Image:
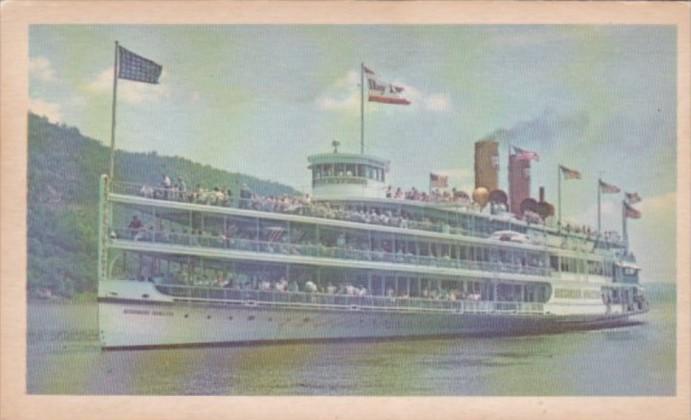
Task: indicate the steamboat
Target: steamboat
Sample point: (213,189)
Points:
(354,259)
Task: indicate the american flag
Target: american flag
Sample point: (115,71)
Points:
(609,188)
(633,198)
(137,68)
(630,212)
(438,181)
(569,173)
(522,154)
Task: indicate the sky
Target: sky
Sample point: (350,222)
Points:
(258,99)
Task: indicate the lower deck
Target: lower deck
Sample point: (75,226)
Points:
(141,314)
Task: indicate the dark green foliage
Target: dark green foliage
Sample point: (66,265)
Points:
(64,170)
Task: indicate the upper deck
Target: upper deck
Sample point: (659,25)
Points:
(436,220)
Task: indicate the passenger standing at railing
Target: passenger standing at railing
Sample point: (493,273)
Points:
(194,195)
(146,191)
(245,196)
(182,187)
(135,226)
(166,183)
(310,287)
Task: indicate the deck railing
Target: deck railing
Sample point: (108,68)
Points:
(298,208)
(295,207)
(335,301)
(315,250)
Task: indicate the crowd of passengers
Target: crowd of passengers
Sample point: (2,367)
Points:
(303,205)
(265,283)
(295,244)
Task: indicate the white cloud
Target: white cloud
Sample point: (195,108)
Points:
(344,95)
(659,204)
(438,102)
(609,211)
(50,110)
(41,69)
(350,102)
(135,93)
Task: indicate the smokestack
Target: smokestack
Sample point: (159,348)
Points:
(487,164)
(542,194)
(519,182)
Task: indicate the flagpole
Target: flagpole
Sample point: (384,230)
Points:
(559,197)
(362,108)
(599,193)
(624,232)
(112,128)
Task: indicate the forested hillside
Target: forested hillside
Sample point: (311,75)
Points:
(63,174)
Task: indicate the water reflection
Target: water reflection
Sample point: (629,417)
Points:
(64,358)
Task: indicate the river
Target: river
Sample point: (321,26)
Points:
(63,357)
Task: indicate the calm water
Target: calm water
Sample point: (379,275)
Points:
(64,358)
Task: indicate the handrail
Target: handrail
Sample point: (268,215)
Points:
(273,297)
(317,250)
(262,204)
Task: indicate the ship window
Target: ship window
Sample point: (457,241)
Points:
(350,170)
(339,169)
(361,171)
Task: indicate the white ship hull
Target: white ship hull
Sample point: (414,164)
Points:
(128,323)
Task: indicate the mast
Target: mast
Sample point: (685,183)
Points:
(559,197)
(624,230)
(599,207)
(362,108)
(111,172)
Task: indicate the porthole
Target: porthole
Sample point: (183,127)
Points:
(187,315)
(230,318)
(306,320)
(208,317)
(250,318)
